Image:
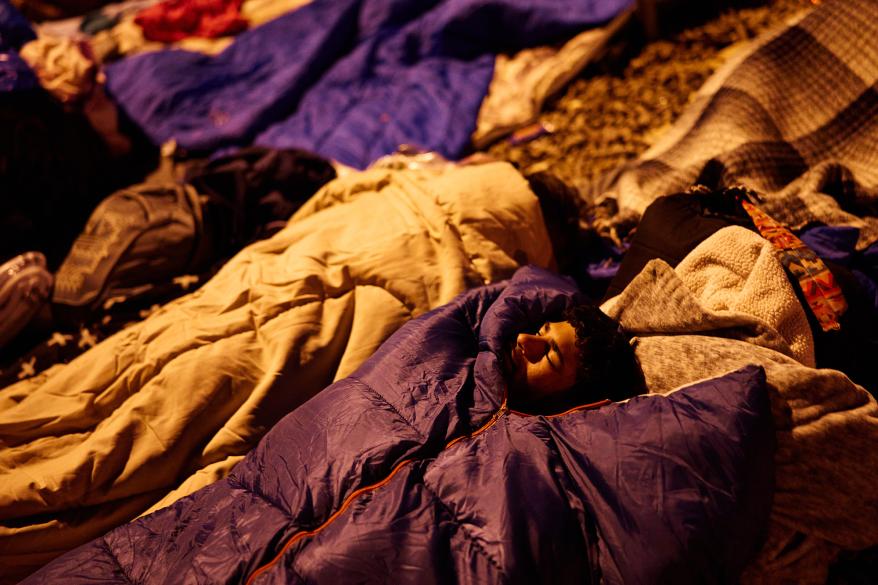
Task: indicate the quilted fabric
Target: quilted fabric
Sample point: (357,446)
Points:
(412,471)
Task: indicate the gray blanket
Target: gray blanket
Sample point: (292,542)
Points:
(795,117)
(726,305)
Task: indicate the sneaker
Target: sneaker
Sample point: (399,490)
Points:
(25,286)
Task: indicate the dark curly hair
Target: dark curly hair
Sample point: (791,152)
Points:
(608,367)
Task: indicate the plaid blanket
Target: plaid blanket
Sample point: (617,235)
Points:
(795,118)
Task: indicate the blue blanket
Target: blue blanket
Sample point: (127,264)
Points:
(15,30)
(348,79)
(15,74)
(411,471)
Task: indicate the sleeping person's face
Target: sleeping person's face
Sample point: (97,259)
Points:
(544,364)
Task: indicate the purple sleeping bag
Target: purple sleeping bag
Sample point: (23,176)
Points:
(409,471)
(347,79)
(15,30)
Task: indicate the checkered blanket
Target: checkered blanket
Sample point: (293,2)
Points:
(794,117)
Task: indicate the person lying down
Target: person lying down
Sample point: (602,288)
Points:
(583,358)
(427,464)
(172,403)
(498,438)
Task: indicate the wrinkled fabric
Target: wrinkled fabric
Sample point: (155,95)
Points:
(409,471)
(350,80)
(171,403)
(839,245)
(523,82)
(672,226)
(795,119)
(726,305)
(260,11)
(62,68)
(15,74)
(126,38)
(62,343)
(822,293)
(174,20)
(15,30)
(259,188)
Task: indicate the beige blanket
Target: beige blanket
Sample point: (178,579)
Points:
(522,83)
(728,304)
(794,119)
(170,404)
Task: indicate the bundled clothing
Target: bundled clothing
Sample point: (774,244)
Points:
(64,67)
(174,20)
(728,304)
(672,226)
(413,470)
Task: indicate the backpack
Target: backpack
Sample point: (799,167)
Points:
(135,237)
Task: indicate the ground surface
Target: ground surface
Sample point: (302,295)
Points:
(616,109)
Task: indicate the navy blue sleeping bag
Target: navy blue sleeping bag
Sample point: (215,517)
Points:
(409,471)
(347,79)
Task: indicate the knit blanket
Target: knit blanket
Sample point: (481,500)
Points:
(795,117)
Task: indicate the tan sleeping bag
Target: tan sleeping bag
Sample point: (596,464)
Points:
(172,403)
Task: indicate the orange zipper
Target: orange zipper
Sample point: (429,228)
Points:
(358,492)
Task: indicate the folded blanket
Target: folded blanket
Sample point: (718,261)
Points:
(412,470)
(796,120)
(727,305)
(172,403)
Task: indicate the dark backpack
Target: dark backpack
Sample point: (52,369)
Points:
(135,237)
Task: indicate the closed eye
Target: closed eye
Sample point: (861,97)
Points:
(553,346)
(558,352)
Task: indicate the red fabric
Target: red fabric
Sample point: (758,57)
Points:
(174,20)
(822,293)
